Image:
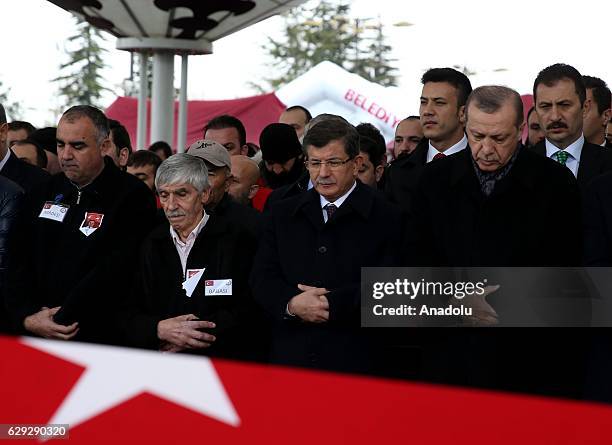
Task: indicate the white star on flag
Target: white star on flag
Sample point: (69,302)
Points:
(114,375)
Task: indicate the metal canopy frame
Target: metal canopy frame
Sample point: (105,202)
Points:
(165,28)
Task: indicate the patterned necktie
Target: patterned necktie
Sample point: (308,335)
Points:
(438,156)
(330,209)
(561,157)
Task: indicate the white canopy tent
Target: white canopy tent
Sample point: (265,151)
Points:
(164,28)
(328,88)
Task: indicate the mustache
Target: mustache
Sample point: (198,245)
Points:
(556,125)
(174,213)
(325,182)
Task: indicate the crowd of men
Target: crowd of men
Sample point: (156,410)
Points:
(254,252)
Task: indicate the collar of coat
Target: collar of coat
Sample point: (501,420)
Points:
(417,157)
(214,226)
(222,205)
(360,201)
(461,168)
(107,182)
(590,160)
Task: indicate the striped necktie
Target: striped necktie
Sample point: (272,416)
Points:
(330,209)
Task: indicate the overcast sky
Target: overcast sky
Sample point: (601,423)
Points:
(521,37)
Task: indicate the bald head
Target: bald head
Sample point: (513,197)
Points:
(245,174)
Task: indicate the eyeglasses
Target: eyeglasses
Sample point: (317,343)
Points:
(333,164)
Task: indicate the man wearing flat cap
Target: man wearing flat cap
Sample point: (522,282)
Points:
(219,164)
(282,156)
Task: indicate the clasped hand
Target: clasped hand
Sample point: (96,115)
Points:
(311,305)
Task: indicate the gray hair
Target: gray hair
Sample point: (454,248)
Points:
(491,98)
(182,168)
(96,116)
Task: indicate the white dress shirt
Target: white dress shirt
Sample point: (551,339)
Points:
(574,150)
(452,150)
(183,248)
(338,202)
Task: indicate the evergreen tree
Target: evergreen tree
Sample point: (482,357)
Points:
(13,109)
(131,85)
(382,70)
(82,83)
(327,32)
(465,70)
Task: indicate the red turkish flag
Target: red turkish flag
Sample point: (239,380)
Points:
(278,405)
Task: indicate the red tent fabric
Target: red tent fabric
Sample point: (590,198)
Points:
(255,112)
(527,104)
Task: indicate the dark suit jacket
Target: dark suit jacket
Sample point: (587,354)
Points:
(402,176)
(598,252)
(10,204)
(24,174)
(240,214)
(226,251)
(297,247)
(10,201)
(453,224)
(288,191)
(594,160)
(598,222)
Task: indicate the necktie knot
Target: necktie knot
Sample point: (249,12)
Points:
(561,156)
(330,209)
(439,156)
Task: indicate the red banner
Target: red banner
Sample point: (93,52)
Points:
(116,395)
